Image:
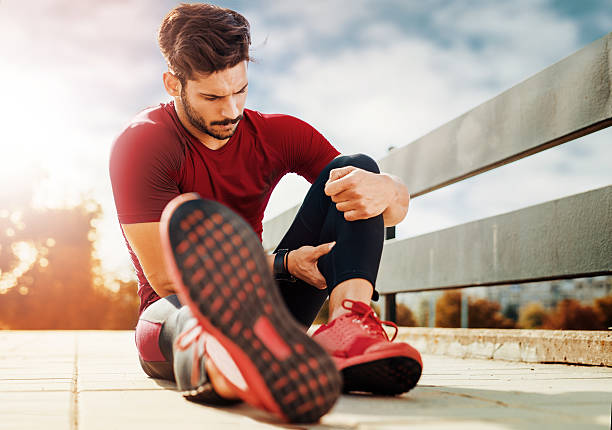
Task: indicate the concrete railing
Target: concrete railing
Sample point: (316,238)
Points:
(565,238)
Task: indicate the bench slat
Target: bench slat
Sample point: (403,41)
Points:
(561,103)
(565,238)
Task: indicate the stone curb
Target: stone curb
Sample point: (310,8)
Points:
(531,346)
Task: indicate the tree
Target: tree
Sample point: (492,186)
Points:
(571,315)
(405,316)
(532,316)
(49,276)
(482,313)
(448,309)
(603,306)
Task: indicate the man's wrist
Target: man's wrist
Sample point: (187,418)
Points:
(281,272)
(397,208)
(287,261)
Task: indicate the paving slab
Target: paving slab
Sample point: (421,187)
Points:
(92,380)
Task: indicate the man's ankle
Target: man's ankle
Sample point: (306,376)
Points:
(357,289)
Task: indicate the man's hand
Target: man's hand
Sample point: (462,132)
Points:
(358,193)
(302,263)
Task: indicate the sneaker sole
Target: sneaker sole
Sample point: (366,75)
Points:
(221,273)
(386,376)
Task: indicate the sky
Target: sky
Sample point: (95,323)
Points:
(367,74)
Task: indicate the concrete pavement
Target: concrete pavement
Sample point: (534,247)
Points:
(92,380)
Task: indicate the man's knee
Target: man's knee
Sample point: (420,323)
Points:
(361,161)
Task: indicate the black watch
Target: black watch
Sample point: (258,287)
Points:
(281,273)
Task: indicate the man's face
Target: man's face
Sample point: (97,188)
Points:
(214,104)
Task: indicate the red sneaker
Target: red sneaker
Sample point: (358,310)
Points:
(369,361)
(221,273)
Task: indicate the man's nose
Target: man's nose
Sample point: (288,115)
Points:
(230,108)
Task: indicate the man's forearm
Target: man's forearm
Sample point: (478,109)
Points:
(397,209)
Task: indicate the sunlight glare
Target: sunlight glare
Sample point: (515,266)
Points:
(27,254)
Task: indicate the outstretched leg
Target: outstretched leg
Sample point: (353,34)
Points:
(157,331)
(220,272)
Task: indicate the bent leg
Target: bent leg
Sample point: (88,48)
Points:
(356,254)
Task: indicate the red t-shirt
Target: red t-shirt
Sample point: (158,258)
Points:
(155,159)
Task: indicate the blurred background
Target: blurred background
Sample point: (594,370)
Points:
(369,75)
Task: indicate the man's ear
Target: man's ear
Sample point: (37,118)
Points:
(172,84)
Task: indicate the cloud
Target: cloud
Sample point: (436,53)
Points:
(394,84)
(76,73)
(367,75)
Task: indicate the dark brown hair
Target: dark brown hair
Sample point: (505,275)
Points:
(203,38)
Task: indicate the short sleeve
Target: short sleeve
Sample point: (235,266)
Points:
(144,167)
(304,150)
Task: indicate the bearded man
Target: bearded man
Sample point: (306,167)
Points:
(191,179)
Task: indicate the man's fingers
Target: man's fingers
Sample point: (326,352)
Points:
(349,206)
(337,181)
(354,215)
(338,185)
(323,249)
(340,172)
(343,196)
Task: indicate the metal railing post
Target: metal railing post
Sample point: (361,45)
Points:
(388,307)
(432,309)
(464,310)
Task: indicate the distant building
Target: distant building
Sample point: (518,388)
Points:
(549,293)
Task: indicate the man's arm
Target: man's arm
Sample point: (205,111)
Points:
(398,207)
(361,194)
(145,241)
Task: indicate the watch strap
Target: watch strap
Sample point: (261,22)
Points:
(281,273)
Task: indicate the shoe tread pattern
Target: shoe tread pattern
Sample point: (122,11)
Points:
(225,271)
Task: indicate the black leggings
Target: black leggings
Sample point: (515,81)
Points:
(356,255)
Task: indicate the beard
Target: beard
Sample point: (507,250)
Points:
(200,124)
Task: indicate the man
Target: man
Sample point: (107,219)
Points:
(200,170)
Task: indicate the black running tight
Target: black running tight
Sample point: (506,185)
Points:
(358,243)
